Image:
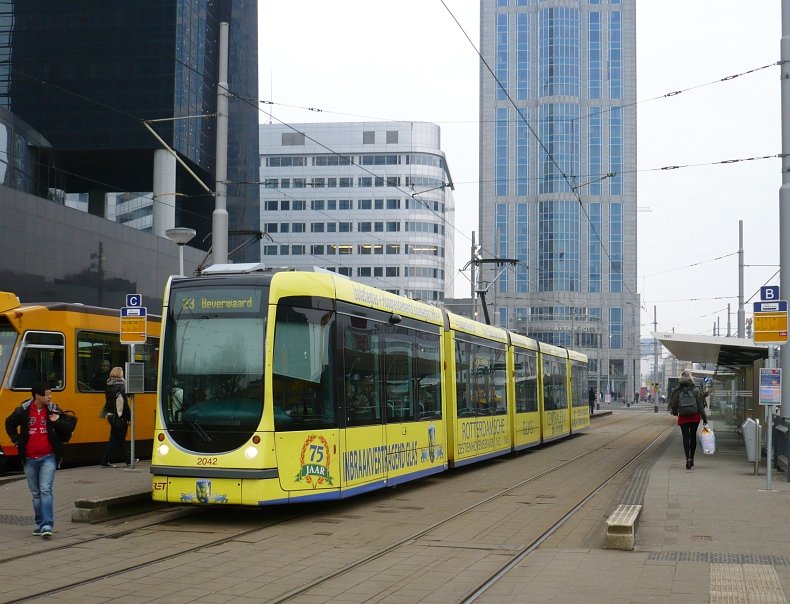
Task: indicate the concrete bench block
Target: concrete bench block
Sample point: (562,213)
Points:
(621,527)
(92,509)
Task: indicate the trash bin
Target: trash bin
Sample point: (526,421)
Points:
(751,438)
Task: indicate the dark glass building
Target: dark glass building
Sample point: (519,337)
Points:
(86,75)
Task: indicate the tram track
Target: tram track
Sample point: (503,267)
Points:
(516,558)
(302,514)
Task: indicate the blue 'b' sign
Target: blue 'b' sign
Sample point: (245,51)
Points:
(769,293)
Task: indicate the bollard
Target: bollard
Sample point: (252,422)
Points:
(598,406)
(655,409)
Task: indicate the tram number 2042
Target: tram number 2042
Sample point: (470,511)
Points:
(207,461)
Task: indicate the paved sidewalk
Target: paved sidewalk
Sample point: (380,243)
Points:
(709,534)
(71,484)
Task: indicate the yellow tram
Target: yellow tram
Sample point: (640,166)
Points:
(71,347)
(282,386)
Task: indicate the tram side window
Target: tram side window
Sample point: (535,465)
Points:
(98,352)
(554,391)
(399,374)
(41,360)
(480,379)
(578,380)
(362,370)
(428,372)
(302,371)
(526,383)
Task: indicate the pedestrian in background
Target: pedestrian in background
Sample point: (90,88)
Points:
(689,415)
(591,399)
(116,409)
(33,428)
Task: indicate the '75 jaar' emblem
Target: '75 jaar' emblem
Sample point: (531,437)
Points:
(314,459)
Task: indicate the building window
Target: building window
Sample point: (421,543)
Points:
(364,271)
(317,204)
(392,271)
(269,250)
(594,55)
(393,226)
(559,154)
(285,227)
(378,271)
(317,250)
(285,183)
(501,243)
(319,183)
(271,227)
(346,182)
(501,151)
(616,327)
(616,151)
(558,246)
(297,250)
(616,247)
(298,227)
(615,55)
(345,227)
(292,139)
(331,227)
(364,181)
(393,204)
(316,227)
(393,181)
(378,204)
(393,248)
(270,183)
(378,227)
(298,205)
(594,150)
(344,270)
(365,227)
(392,137)
(331,204)
(369,137)
(365,204)
(522,248)
(522,56)
(300,183)
(594,251)
(558,51)
(345,204)
(284,250)
(271,205)
(522,153)
(331,183)
(345,249)
(501,55)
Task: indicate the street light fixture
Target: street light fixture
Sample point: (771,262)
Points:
(180,236)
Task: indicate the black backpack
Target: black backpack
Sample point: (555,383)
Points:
(687,402)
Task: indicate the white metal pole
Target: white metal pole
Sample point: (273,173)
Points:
(219,219)
(784,190)
(131,409)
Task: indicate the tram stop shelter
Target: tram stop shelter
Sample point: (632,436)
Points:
(735,362)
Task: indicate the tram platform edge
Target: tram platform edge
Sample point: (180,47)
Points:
(117,491)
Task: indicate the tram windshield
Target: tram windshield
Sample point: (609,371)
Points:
(7,339)
(212,371)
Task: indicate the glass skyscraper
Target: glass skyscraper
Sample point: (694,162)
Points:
(85,75)
(558,177)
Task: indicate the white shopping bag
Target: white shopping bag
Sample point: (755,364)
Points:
(707,440)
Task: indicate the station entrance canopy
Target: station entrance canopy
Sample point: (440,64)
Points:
(726,352)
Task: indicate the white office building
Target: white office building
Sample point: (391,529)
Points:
(371,201)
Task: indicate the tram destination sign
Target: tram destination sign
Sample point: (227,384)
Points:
(770,322)
(134,325)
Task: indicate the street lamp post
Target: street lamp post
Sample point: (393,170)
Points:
(180,236)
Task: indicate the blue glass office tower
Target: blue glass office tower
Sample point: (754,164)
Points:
(85,74)
(555,121)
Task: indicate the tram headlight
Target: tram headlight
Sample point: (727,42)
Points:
(251,452)
(163,449)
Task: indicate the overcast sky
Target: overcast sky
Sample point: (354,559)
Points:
(360,60)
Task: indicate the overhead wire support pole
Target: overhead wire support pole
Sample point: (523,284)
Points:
(482,291)
(184,165)
(784,191)
(219,219)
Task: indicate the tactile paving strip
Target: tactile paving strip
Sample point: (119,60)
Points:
(731,583)
(15,520)
(720,558)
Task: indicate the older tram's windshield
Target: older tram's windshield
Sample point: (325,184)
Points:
(7,339)
(212,371)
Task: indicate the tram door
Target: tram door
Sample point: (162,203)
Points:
(364,450)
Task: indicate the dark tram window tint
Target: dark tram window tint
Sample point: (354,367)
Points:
(362,370)
(399,374)
(428,372)
(526,382)
(481,378)
(578,384)
(554,391)
(303,381)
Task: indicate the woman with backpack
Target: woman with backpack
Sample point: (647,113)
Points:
(688,403)
(118,414)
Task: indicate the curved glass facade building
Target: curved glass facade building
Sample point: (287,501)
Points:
(559,126)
